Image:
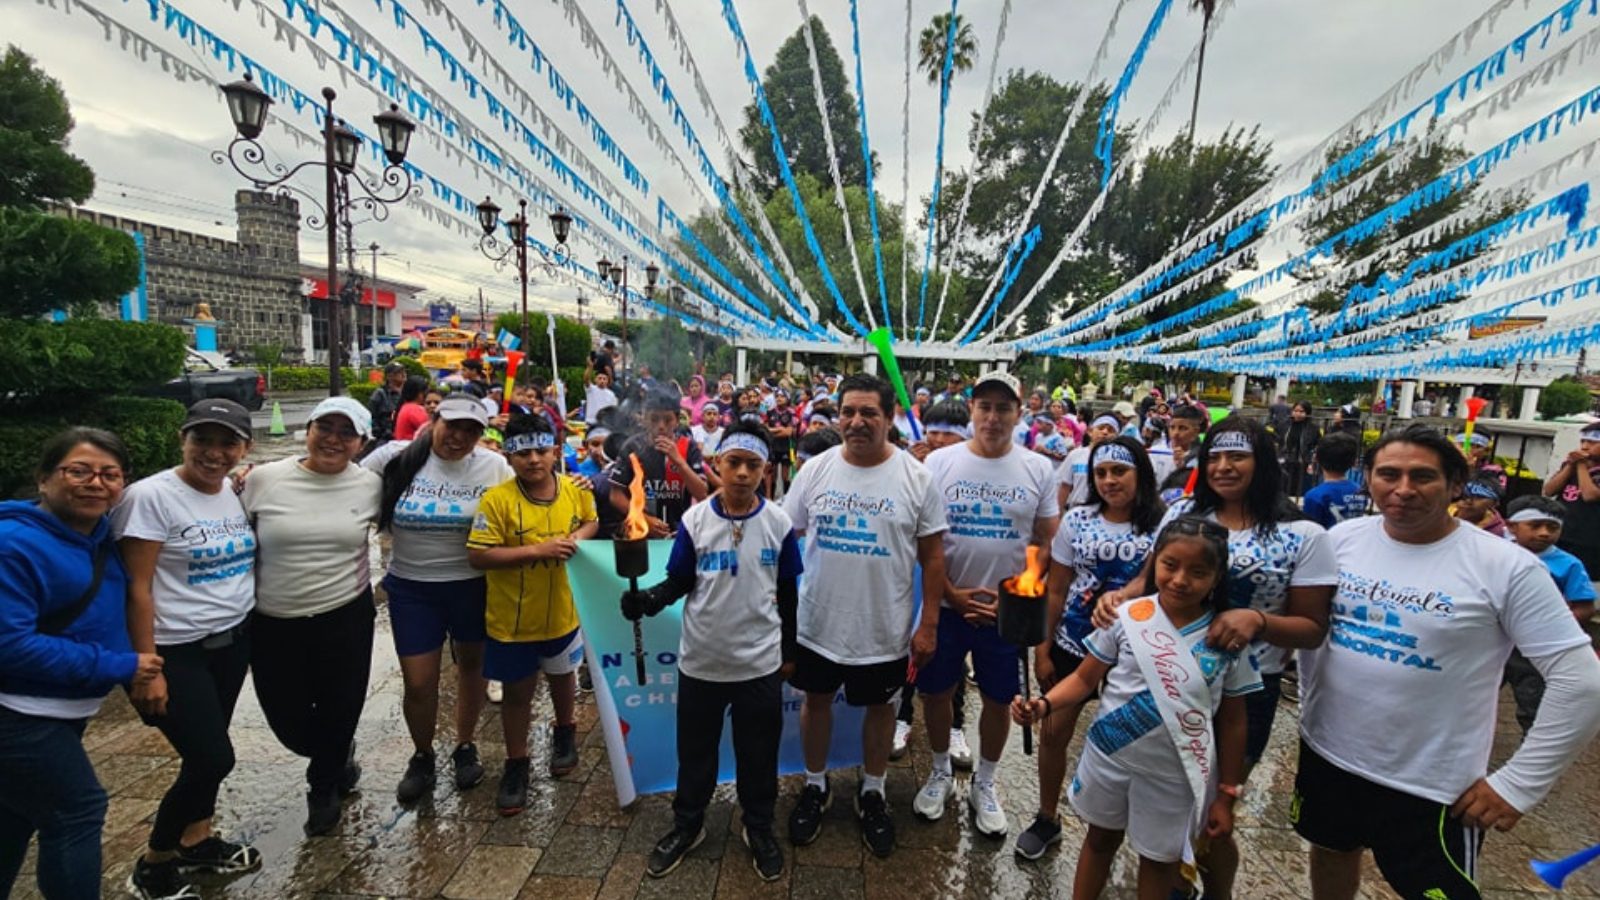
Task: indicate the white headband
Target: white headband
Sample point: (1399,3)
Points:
(1231,442)
(1590,433)
(1534,515)
(945,428)
(1111,421)
(531,440)
(1113,453)
(743,441)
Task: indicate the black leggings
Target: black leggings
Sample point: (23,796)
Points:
(203,682)
(311,677)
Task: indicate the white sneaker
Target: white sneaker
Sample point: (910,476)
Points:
(930,801)
(902,734)
(960,753)
(987,813)
(495,691)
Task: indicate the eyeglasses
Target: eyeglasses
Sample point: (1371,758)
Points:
(343,434)
(110,476)
(1197,525)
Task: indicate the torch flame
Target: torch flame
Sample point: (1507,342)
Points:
(1030,582)
(635,526)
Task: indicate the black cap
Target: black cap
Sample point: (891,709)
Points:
(226,413)
(392,368)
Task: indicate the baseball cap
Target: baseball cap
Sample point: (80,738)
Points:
(1124,409)
(226,413)
(1003,380)
(392,368)
(460,406)
(348,407)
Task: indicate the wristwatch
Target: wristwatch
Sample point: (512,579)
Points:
(1236,791)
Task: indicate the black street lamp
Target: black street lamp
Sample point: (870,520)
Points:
(617,275)
(341,152)
(517,231)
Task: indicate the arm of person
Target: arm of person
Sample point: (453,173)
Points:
(1231,729)
(684,466)
(1586,485)
(1559,478)
(1105,609)
(139,559)
(930,553)
(25,653)
(1055,598)
(1303,625)
(1070,691)
(682,575)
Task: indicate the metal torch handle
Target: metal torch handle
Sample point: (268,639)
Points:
(1027,695)
(638,640)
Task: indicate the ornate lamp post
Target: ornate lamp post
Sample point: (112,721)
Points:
(341,151)
(616,274)
(515,252)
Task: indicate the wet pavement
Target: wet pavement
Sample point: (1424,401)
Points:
(574,842)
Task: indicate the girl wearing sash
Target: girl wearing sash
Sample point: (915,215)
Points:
(1165,755)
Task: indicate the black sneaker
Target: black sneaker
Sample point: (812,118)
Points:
(418,780)
(469,771)
(351,776)
(585,683)
(322,812)
(563,750)
(513,795)
(765,853)
(671,849)
(217,855)
(805,821)
(160,881)
(877,829)
(1033,843)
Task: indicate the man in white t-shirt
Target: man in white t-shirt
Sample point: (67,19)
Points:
(597,394)
(869,513)
(1399,706)
(999,498)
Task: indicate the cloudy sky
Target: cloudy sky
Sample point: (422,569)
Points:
(1298,70)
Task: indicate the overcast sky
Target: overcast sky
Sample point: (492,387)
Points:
(1298,70)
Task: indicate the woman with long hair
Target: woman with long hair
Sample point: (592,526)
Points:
(1298,445)
(1282,575)
(1099,546)
(413,414)
(431,487)
(63,646)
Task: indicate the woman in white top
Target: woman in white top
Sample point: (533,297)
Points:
(431,488)
(190,555)
(311,635)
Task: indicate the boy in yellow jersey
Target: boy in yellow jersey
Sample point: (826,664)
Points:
(525,531)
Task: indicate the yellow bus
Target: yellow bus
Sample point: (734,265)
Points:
(443,349)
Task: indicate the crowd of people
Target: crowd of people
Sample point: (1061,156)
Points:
(825,537)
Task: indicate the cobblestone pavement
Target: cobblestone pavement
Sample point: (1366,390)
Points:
(573,841)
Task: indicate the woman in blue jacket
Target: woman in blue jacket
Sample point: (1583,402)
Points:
(63,646)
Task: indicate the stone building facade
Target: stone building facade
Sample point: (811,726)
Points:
(252,285)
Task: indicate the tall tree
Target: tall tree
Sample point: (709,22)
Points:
(1207,8)
(933,40)
(48,262)
(788,86)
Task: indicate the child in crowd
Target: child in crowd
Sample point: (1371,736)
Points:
(1047,441)
(1129,779)
(1337,498)
(708,432)
(737,561)
(492,439)
(525,531)
(1072,475)
(815,443)
(1479,505)
(1535,524)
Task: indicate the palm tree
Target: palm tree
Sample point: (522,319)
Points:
(931,46)
(1207,9)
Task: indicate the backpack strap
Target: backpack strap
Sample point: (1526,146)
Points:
(58,621)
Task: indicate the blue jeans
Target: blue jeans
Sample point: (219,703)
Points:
(49,788)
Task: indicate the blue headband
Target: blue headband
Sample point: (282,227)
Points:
(1231,442)
(530,440)
(1113,453)
(1480,489)
(1589,433)
(742,441)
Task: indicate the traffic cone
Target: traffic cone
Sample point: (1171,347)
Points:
(276,429)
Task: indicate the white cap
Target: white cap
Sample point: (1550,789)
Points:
(350,408)
(1003,379)
(462,406)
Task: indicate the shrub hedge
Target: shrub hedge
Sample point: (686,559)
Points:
(58,361)
(148,425)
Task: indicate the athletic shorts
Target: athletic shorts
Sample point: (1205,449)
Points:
(994,661)
(422,613)
(1420,848)
(1260,710)
(1154,812)
(512,661)
(1065,663)
(866,685)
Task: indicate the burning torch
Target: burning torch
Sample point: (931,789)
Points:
(1020,620)
(633,553)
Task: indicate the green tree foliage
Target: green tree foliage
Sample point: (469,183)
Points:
(58,362)
(1437,157)
(47,262)
(790,93)
(935,38)
(1565,397)
(573,340)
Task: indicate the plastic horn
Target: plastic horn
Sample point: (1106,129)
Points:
(884,341)
(1475,405)
(1553,872)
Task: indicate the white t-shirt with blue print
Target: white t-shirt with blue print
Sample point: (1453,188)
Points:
(991,505)
(1103,556)
(1127,727)
(1262,568)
